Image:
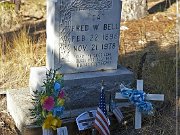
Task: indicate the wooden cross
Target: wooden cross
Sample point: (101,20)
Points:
(157,97)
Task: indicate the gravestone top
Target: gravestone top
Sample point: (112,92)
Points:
(83,35)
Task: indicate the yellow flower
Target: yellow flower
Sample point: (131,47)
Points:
(58,76)
(52,122)
(56,123)
(61,102)
(47,122)
(43,98)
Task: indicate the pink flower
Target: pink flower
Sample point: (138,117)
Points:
(49,103)
(61,94)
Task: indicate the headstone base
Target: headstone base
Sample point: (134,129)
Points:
(82,89)
(19,103)
(38,75)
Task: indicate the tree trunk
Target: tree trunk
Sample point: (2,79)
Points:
(133,9)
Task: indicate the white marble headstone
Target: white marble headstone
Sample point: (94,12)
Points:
(83,35)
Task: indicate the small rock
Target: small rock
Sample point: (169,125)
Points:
(26,18)
(123,28)
(3,112)
(142,42)
(25,13)
(154,63)
(170,18)
(2,124)
(148,34)
(38,15)
(155,19)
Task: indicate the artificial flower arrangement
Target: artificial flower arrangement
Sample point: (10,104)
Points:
(49,103)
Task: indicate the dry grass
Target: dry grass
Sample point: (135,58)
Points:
(159,78)
(14,70)
(158,37)
(9,19)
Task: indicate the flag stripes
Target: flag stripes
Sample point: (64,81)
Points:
(101,123)
(117,112)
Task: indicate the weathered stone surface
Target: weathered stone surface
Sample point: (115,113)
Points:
(85,80)
(37,76)
(18,103)
(83,35)
(133,9)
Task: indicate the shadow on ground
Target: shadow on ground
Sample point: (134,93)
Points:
(161,6)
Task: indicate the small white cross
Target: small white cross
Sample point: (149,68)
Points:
(158,97)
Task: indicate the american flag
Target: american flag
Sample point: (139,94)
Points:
(117,112)
(101,122)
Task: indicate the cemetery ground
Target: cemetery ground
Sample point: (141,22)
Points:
(155,34)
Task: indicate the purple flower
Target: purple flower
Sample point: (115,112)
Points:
(61,94)
(49,103)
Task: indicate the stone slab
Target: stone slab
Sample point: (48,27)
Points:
(83,35)
(19,103)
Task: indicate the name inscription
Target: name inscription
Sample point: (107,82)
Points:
(89,37)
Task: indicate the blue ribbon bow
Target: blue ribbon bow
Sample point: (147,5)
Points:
(137,97)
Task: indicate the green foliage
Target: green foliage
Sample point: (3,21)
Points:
(37,113)
(7,6)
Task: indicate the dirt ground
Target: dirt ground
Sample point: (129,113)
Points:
(7,126)
(158,30)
